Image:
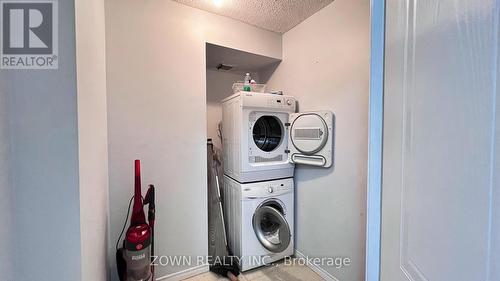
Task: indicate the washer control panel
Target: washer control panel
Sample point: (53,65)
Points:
(282,103)
(266,189)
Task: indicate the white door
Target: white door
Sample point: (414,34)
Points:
(311,138)
(441,197)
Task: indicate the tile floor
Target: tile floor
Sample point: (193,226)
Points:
(277,271)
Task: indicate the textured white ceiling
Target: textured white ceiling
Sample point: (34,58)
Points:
(275,15)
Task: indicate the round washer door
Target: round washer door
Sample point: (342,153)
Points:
(271,228)
(309,133)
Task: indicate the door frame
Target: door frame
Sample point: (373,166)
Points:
(375,135)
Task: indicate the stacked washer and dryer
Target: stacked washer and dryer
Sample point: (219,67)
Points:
(262,140)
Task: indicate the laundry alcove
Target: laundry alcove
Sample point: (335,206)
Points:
(163,104)
(225,66)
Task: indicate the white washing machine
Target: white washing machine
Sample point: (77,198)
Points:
(259,220)
(263,137)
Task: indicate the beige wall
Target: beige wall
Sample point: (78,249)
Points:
(326,66)
(156,84)
(92,137)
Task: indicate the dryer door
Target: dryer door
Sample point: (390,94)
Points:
(271,228)
(267,133)
(311,136)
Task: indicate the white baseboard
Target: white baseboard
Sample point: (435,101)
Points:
(320,271)
(184,274)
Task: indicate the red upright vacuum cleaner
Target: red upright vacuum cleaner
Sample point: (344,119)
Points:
(134,259)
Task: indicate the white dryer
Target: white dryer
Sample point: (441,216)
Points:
(259,220)
(263,137)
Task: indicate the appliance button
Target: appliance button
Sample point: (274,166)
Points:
(289,102)
(270,189)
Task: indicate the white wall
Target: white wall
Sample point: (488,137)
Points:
(156,86)
(219,87)
(326,66)
(6,204)
(44,163)
(92,137)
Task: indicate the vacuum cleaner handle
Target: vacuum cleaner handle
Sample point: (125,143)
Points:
(150,201)
(138,216)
